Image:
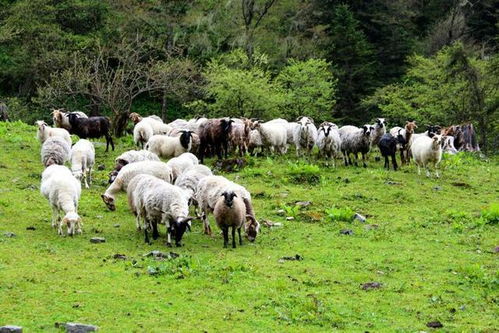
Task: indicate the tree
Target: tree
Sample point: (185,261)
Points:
(252,14)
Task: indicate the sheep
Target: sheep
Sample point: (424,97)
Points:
(355,140)
(155,168)
(135,118)
(195,141)
(378,132)
(210,189)
(238,136)
(388,147)
(255,141)
(426,150)
(291,128)
(45,131)
(230,212)
(170,146)
(328,141)
(181,163)
(142,132)
(61,119)
(82,160)
(448,145)
(273,134)
(407,132)
(305,135)
(55,150)
(214,135)
(189,179)
(63,191)
(135,197)
(128,157)
(193,124)
(157,201)
(93,127)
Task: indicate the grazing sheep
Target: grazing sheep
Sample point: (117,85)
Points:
(425,151)
(239,135)
(155,168)
(189,179)
(62,190)
(305,135)
(214,136)
(93,127)
(388,147)
(170,146)
(82,160)
(273,134)
(379,130)
(45,131)
(135,118)
(210,189)
(135,196)
(230,212)
(181,163)
(355,140)
(128,157)
(407,132)
(55,150)
(61,119)
(328,141)
(255,141)
(142,132)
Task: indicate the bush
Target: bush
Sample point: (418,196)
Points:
(340,214)
(491,214)
(304,173)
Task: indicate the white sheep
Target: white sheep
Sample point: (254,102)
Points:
(181,163)
(291,128)
(425,151)
(82,160)
(210,189)
(189,180)
(169,146)
(135,196)
(125,175)
(305,135)
(355,140)
(62,190)
(55,150)
(45,131)
(273,134)
(142,132)
(61,119)
(255,141)
(128,157)
(329,141)
(230,212)
(378,131)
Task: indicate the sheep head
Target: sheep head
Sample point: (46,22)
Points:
(73,222)
(186,139)
(135,117)
(109,201)
(229,198)
(410,126)
(367,130)
(57,115)
(41,124)
(437,142)
(252,227)
(112,176)
(179,227)
(380,122)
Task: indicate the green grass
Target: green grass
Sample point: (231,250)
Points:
(430,243)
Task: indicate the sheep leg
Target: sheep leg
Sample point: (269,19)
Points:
(364,160)
(427,170)
(225,231)
(55,216)
(345,158)
(85,176)
(233,237)
(206,223)
(240,238)
(155,233)
(168,238)
(59,230)
(387,163)
(436,171)
(146,236)
(394,162)
(419,169)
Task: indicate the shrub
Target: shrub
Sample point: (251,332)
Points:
(491,214)
(344,214)
(304,173)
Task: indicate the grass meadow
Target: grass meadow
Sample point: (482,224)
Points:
(429,243)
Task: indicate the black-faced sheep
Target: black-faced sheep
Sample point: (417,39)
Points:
(355,140)
(93,127)
(230,212)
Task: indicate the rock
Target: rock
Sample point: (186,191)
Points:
(281,211)
(303,203)
(11,329)
(389,182)
(290,218)
(438,188)
(435,324)
(9,234)
(117,225)
(101,167)
(30,228)
(97,240)
(346,232)
(496,250)
(271,224)
(359,217)
(371,285)
(80,328)
(159,255)
(119,256)
(297,257)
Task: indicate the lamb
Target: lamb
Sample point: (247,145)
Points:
(407,132)
(55,150)
(378,132)
(230,212)
(425,151)
(61,119)
(305,135)
(63,191)
(181,163)
(210,189)
(388,147)
(158,169)
(355,140)
(189,179)
(160,202)
(82,160)
(328,141)
(273,134)
(45,131)
(93,127)
(214,136)
(142,132)
(169,146)
(128,157)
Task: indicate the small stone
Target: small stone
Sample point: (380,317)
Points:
(30,228)
(359,217)
(97,240)
(290,218)
(437,188)
(11,329)
(346,232)
(496,249)
(160,255)
(371,285)
(101,167)
(281,211)
(119,256)
(303,203)
(296,257)
(435,324)
(9,234)
(117,225)
(80,328)
(389,182)
(99,216)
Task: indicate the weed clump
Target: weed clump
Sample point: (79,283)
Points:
(344,214)
(300,173)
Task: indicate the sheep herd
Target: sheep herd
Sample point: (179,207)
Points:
(161,193)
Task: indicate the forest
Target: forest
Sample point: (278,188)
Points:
(433,61)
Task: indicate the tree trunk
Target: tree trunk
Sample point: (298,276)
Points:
(120,120)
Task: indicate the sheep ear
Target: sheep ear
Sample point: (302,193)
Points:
(299,118)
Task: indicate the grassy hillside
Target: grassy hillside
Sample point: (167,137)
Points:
(430,243)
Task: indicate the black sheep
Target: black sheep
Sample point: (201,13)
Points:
(214,136)
(388,147)
(90,128)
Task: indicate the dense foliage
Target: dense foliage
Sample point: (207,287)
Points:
(361,49)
